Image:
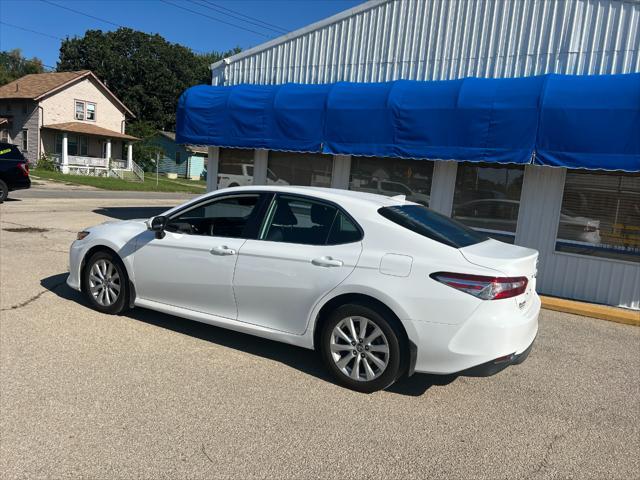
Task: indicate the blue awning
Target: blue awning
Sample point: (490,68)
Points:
(570,121)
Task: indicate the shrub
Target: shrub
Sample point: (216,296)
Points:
(46,163)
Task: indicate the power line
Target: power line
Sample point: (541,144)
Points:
(214,18)
(31,31)
(242,17)
(100,20)
(82,13)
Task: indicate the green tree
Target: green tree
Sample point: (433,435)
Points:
(145,71)
(13,65)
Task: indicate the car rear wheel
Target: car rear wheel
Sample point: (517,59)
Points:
(4,191)
(105,283)
(361,348)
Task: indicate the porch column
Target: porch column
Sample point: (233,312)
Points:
(129,156)
(65,153)
(212,168)
(108,149)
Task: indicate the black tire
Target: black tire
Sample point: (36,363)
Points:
(122,301)
(388,375)
(4,191)
(233,185)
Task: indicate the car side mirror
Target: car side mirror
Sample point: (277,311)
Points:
(157,225)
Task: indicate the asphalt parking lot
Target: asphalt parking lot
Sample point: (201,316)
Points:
(147,395)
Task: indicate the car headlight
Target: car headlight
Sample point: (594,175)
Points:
(82,235)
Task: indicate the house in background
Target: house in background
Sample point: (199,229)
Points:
(187,161)
(70,116)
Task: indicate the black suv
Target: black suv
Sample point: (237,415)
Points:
(14,170)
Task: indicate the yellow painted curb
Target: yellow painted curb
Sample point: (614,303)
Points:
(612,314)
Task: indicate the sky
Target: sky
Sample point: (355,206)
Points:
(202,25)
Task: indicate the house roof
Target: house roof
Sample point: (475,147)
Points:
(193,148)
(36,86)
(89,129)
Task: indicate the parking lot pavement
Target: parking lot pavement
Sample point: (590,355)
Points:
(147,395)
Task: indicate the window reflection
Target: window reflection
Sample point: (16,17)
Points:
(235,167)
(487,198)
(392,176)
(600,216)
(310,169)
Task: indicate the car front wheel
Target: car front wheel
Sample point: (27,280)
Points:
(105,283)
(361,348)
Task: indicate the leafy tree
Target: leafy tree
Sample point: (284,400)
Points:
(13,65)
(146,72)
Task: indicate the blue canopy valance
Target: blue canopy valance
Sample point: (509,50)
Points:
(570,121)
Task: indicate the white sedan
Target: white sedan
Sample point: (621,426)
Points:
(382,287)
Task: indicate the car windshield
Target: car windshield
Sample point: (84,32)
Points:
(433,225)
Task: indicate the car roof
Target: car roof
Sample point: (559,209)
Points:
(332,194)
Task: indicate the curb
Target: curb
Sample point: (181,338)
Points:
(603,312)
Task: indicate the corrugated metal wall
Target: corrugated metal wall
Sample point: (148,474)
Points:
(445,39)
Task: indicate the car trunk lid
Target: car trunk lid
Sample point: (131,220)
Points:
(508,260)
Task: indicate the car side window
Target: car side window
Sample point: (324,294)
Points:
(343,230)
(224,217)
(309,222)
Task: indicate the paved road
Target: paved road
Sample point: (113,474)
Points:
(46,189)
(146,395)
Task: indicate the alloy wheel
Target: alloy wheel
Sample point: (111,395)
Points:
(104,282)
(359,348)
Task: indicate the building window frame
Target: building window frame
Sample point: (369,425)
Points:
(557,241)
(83,112)
(25,140)
(4,135)
(93,111)
(79,113)
(506,206)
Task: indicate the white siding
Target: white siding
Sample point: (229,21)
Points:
(445,39)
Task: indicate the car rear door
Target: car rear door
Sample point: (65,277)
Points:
(305,249)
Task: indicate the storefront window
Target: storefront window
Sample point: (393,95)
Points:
(235,167)
(600,216)
(392,176)
(487,198)
(310,169)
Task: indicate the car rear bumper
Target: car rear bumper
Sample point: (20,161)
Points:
(20,184)
(495,330)
(494,366)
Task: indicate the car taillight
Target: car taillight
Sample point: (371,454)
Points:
(25,168)
(485,288)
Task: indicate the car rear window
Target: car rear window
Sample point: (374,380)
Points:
(432,225)
(10,152)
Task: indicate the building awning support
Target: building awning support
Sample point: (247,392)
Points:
(590,122)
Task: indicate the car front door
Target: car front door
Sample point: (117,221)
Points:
(192,265)
(305,248)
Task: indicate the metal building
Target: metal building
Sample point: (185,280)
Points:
(586,251)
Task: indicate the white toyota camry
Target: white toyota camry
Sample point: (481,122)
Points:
(382,287)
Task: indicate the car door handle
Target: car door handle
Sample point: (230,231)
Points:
(222,250)
(327,262)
